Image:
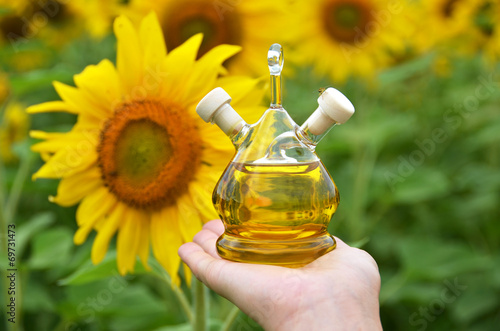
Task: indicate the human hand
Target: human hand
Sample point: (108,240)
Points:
(336,291)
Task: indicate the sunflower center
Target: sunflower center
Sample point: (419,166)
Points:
(188,18)
(142,151)
(448,8)
(11,27)
(346,20)
(33,19)
(148,154)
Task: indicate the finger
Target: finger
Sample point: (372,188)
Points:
(203,265)
(207,239)
(215,226)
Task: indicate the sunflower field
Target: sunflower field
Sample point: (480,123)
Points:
(106,169)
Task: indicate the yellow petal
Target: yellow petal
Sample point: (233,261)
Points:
(201,195)
(76,101)
(51,106)
(189,219)
(74,188)
(101,85)
(179,64)
(143,249)
(238,87)
(207,70)
(106,231)
(152,41)
(36,134)
(166,240)
(79,140)
(129,56)
(187,274)
(128,239)
(93,209)
(66,162)
(252,114)
(216,139)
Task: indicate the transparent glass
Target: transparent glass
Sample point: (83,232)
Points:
(275,197)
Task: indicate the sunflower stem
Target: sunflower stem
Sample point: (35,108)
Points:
(201,307)
(231,317)
(186,307)
(184,303)
(8,208)
(17,187)
(3,237)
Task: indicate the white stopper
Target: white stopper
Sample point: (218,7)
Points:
(333,107)
(215,108)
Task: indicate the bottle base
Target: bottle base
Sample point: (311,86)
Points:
(292,253)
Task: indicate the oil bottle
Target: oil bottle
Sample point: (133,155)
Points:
(275,197)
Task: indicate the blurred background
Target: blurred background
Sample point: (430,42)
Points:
(417,166)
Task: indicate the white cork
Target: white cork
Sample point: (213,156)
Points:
(215,108)
(333,107)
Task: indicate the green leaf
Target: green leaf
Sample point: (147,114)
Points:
(39,79)
(475,303)
(439,260)
(400,73)
(126,303)
(36,297)
(89,272)
(51,248)
(35,225)
(421,185)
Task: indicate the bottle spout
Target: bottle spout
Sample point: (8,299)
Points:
(215,108)
(333,108)
(275,61)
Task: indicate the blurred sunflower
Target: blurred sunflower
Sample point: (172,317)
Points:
(253,25)
(486,33)
(30,26)
(13,128)
(56,21)
(139,159)
(344,37)
(445,20)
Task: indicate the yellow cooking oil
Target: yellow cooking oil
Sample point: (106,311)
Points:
(275,213)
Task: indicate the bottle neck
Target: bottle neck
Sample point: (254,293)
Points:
(316,127)
(239,133)
(276,91)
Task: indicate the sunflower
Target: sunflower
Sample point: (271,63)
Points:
(56,21)
(253,25)
(14,128)
(443,24)
(33,28)
(486,32)
(347,37)
(139,159)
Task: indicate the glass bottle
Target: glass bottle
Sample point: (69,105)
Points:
(275,197)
